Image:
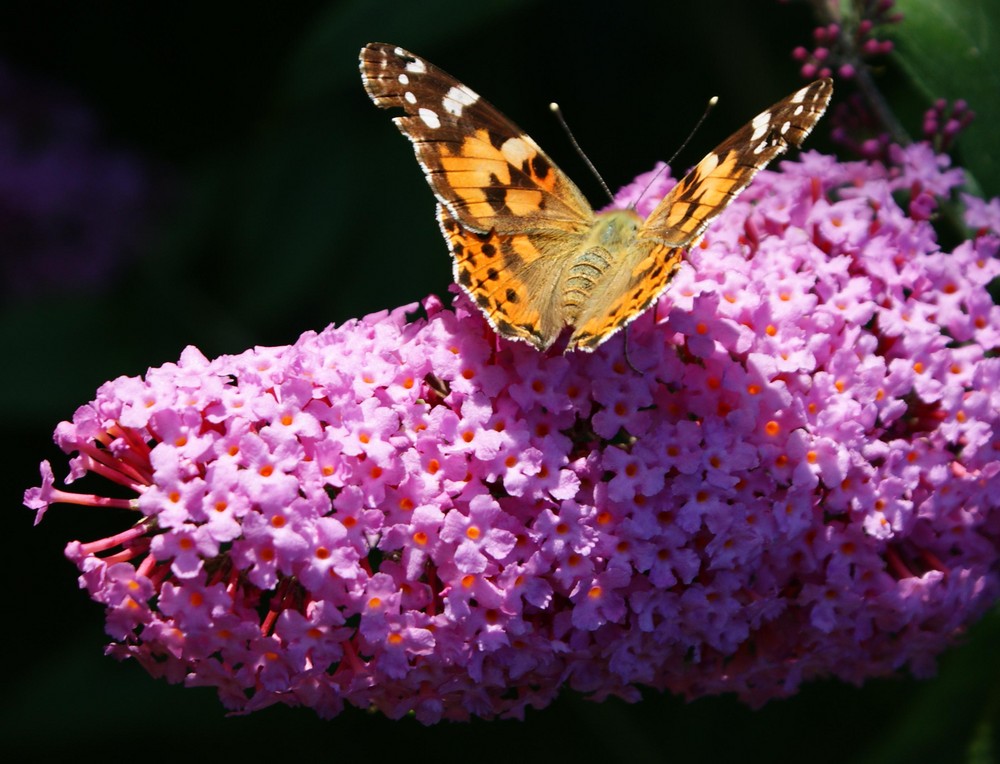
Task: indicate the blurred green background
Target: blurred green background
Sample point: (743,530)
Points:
(274,198)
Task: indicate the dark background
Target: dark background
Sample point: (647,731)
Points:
(278,199)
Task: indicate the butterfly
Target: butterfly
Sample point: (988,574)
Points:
(527,247)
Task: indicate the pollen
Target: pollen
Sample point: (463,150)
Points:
(595,592)
(420,538)
(473,532)
(772,428)
(287,420)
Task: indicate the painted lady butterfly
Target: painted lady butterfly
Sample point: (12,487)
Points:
(527,247)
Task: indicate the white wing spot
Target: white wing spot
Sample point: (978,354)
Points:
(430,118)
(706,165)
(515,151)
(457,98)
(416,66)
(798,110)
(785,127)
(760,124)
(404,80)
(410,98)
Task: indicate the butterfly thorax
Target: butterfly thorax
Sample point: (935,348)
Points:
(610,237)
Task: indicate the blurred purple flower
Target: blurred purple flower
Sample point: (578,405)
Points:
(71,209)
(803,481)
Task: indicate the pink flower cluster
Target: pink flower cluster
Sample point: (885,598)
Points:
(848,38)
(943,122)
(794,473)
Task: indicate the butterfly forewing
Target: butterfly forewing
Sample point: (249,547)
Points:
(701,195)
(481,166)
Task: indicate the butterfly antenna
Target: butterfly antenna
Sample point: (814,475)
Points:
(562,121)
(708,108)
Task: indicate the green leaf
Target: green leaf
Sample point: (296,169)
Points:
(949,51)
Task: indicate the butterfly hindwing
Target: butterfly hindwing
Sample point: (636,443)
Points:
(510,278)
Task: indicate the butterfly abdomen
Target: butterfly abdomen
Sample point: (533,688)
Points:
(600,256)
